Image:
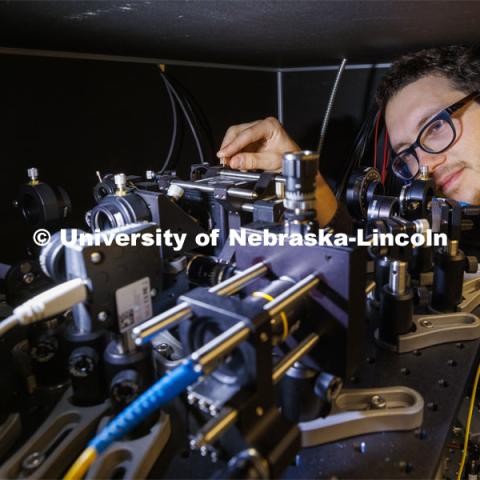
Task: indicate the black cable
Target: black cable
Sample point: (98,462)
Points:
(187,118)
(198,118)
(360,146)
(174,136)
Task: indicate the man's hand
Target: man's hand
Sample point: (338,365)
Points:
(260,144)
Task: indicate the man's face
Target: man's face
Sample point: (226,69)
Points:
(456,171)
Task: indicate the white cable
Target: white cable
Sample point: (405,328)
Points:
(52,302)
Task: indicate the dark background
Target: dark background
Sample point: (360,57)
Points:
(71,116)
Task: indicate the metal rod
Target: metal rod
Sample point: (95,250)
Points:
(231,192)
(215,427)
(234,284)
(285,299)
(370,288)
(280,96)
(239,175)
(193,186)
(453,248)
(227,417)
(126,343)
(294,356)
(249,207)
(143,332)
(247,175)
(241,193)
(181,63)
(220,346)
(326,68)
(398,277)
(129,59)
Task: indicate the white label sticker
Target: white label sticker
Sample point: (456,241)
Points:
(134,304)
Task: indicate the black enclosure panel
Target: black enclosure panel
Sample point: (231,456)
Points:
(267,33)
(70,118)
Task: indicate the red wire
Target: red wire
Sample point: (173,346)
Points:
(376,141)
(387,162)
(385,157)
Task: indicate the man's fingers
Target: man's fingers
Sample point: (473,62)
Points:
(232,132)
(258,131)
(252,161)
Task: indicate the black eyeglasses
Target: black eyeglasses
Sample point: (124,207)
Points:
(436,136)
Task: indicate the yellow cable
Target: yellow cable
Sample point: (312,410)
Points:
(283,316)
(82,464)
(469,421)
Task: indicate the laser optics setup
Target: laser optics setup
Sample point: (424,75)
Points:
(243,359)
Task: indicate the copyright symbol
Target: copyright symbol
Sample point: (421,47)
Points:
(41,237)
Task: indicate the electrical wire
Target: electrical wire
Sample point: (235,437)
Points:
(8,324)
(198,116)
(385,159)
(387,163)
(199,124)
(469,422)
(46,304)
(163,391)
(360,145)
(375,140)
(174,136)
(187,118)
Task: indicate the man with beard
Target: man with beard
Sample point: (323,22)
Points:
(430,103)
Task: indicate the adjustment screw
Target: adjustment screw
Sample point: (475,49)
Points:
(28,278)
(424,173)
(102,316)
(378,402)
(426,323)
(95,257)
(264,337)
(33,461)
(120,180)
(165,350)
(32,173)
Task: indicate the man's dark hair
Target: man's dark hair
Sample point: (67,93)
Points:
(459,64)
